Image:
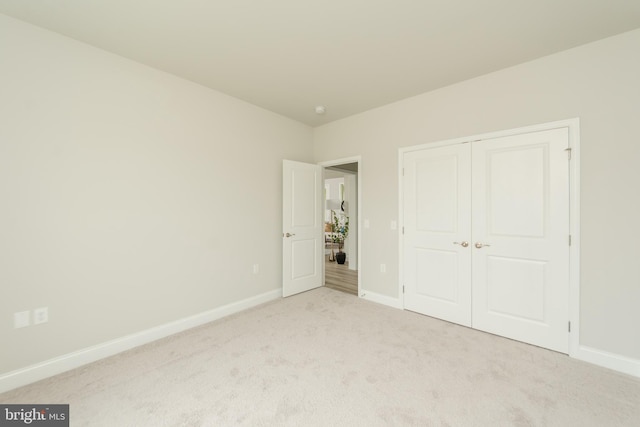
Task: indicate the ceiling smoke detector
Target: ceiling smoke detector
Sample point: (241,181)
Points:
(320,109)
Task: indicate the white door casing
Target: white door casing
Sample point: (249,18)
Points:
(302,227)
(351,184)
(437,257)
(521,221)
(514,196)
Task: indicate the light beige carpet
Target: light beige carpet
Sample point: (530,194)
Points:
(325,358)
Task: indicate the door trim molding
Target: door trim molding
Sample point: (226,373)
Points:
(338,162)
(573,126)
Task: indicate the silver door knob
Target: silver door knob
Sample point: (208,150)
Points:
(288,234)
(480,245)
(463,244)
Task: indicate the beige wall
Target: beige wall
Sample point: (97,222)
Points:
(129,196)
(600,84)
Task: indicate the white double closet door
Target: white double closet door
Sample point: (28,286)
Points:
(486,238)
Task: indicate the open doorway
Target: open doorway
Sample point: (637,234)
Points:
(341,195)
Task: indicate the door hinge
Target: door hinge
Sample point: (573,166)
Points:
(568,150)
(402,171)
(403,289)
(569,326)
(569,239)
(403,229)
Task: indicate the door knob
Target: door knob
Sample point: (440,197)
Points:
(463,244)
(289,234)
(480,245)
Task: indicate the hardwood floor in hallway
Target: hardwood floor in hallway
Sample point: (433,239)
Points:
(339,277)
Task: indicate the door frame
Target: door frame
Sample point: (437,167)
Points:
(573,125)
(338,162)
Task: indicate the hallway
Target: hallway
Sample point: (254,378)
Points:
(339,277)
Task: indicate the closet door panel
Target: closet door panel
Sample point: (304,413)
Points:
(520,225)
(437,264)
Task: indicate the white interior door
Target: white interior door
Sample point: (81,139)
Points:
(302,227)
(520,238)
(437,232)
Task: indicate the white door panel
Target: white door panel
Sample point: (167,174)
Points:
(516,288)
(515,184)
(521,217)
(437,273)
(303,254)
(437,199)
(302,227)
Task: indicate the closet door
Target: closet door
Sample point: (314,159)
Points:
(520,225)
(437,231)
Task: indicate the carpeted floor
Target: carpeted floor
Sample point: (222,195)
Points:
(326,358)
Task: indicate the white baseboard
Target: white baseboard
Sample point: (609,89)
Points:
(605,359)
(55,366)
(381,299)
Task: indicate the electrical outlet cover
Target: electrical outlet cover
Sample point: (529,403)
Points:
(40,315)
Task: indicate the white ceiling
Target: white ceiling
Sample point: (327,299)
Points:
(350,55)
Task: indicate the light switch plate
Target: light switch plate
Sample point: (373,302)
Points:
(21,319)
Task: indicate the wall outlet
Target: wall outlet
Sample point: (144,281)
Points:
(256,268)
(21,319)
(383,268)
(40,315)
